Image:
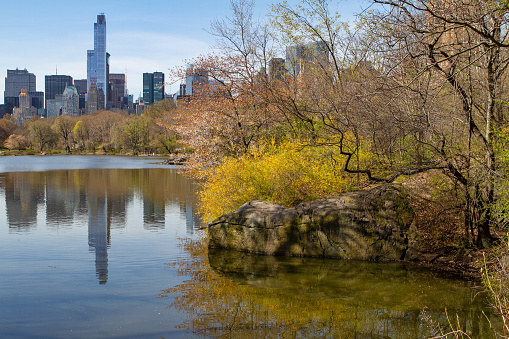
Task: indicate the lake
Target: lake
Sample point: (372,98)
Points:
(111,247)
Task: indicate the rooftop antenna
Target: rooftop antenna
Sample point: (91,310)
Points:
(56,69)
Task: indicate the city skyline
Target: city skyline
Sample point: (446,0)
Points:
(53,38)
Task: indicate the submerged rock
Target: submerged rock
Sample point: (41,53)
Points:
(370,224)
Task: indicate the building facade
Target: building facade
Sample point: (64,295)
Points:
(81,87)
(70,101)
(196,80)
(97,61)
(54,106)
(93,100)
(277,68)
(297,57)
(153,88)
(55,85)
(116,90)
(15,81)
(25,111)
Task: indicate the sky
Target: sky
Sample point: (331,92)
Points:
(52,37)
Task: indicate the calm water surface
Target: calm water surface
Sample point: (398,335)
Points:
(109,247)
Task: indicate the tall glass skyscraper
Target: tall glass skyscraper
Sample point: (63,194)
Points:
(153,87)
(96,59)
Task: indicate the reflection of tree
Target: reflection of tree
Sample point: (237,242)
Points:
(245,295)
(62,200)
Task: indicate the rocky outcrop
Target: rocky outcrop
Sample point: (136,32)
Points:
(175,160)
(370,224)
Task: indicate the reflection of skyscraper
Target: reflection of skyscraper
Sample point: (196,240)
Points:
(99,234)
(117,205)
(189,214)
(153,214)
(22,197)
(189,218)
(62,202)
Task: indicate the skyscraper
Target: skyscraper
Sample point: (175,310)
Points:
(70,101)
(81,87)
(276,68)
(153,87)
(116,88)
(15,81)
(25,111)
(92,99)
(158,86)
(297,57)
(96,60)
(56,84)
(196,80)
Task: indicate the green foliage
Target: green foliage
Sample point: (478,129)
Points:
(136,133)
(501,204)
(80,132)
(495,275)
(41,134)
(160,109)
(287,174)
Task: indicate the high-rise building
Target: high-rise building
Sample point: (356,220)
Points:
(55,85)
(153,87)
(97,61)
(276,68)
(300,55)
(108,90)
(93,100)
(195,80)
(54,106)
(158,86)
(37,99)
(81,87)
(70,101)
(148,90)
(116,90)
(15,81)
(25,111)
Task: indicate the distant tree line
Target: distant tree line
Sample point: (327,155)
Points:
(103,131)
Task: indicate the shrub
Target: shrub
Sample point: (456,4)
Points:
(286,174)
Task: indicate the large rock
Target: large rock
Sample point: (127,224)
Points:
(369,225)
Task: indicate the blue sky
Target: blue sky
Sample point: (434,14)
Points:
(142,36)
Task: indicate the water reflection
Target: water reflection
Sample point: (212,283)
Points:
(99,233)
(100,198)
(22,198)
(235,294)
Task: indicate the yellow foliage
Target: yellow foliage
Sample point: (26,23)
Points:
(286,174)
